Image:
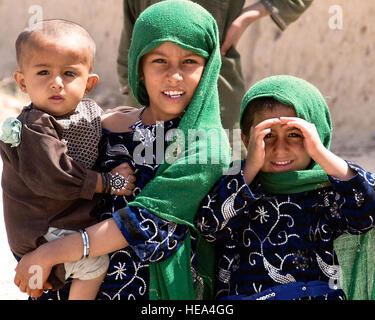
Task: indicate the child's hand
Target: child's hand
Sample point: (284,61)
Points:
(330,163)
(311,141)
(31,276)
(256,148)
(127,172)
(256,145)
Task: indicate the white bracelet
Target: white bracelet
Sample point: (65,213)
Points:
(86,243)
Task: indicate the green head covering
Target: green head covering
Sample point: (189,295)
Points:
(310,106)
(178,188)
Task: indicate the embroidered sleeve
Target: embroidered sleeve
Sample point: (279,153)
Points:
(152,238)
(229,198)
(353,207)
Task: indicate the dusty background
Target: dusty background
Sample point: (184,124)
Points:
(339,61)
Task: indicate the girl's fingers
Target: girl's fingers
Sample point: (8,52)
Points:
(304,126)
(263,133)
(131,178)
(267,123)
(257,144)
(291,120)
(22,287)
(35,293)
(264,125)
(130,186)
(296,122)
(17,282)
(285,119)
(47,286)
(258,133)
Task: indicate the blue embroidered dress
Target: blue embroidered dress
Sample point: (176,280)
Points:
(268,240)
(150,238)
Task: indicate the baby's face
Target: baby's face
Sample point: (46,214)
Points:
(284,148)
(55,75)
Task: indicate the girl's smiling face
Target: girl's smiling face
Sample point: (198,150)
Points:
(171,75)
(284,147)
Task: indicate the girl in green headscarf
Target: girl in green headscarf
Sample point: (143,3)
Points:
(173,71)
(276,221)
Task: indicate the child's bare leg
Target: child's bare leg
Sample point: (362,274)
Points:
(85,289)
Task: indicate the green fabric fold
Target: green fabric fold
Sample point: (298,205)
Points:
(310,105)
(178,188)
(356,255)
(302,181)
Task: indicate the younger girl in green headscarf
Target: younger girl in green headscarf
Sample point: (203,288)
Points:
(276,221)
(174,67)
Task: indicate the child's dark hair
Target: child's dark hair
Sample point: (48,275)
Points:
(255,106)
(55,28)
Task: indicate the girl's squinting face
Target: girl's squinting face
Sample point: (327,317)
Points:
(171,75)
(284,148)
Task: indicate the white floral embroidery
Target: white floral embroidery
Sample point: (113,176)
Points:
(121,268)
(120,272)
(262,215)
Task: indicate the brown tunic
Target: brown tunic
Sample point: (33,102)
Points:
(42,185)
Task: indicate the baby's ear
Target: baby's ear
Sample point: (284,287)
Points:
(20,79)
(92,81)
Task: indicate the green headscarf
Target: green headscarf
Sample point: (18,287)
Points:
(310,106)
(178,188)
